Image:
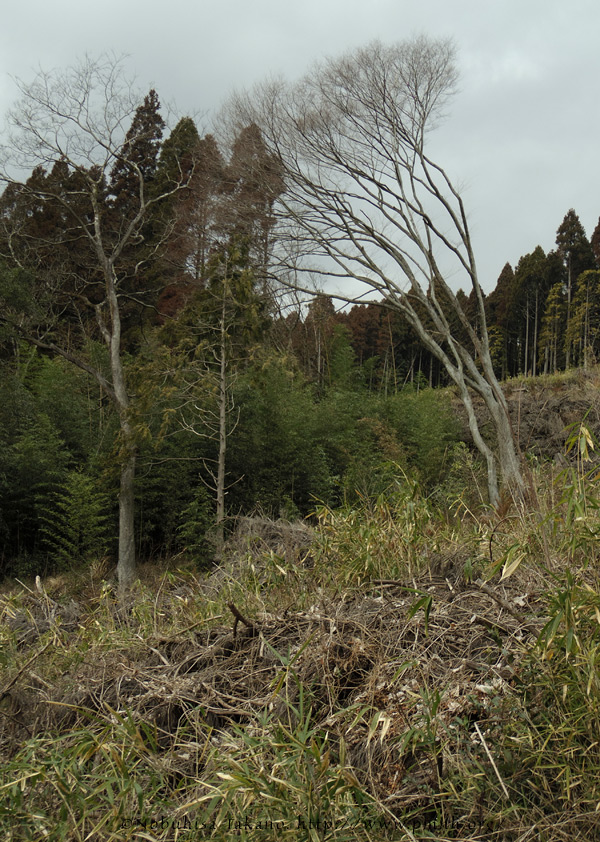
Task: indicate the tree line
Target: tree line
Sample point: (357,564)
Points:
(544,313)
(154,274)
(151,384)
(543,317)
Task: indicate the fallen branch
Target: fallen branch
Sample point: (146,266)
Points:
(507,607)
(14,680)
(239,617)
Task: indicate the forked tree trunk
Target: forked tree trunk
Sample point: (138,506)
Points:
(482,447)
(504,465)
(509,456)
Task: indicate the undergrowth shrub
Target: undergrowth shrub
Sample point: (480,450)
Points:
(464,482)
(76,521)
(377,540)
(197,520)
(517,753)
(287,781)
(83,785)
(427,429)
(548,752)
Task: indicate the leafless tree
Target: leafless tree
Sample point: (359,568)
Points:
(215,375)
(79,119)
(365,202)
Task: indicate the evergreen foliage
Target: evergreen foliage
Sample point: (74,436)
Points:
(325,405)
(138,155)
(573,247)
(51,419)
(317,413)
(76,522)
(535,326)
(583,330)
(552,330)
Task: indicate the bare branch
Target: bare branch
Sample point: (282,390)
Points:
(364,201)
(68,132)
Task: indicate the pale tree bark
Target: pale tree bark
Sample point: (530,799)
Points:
(223,413)
(216,374)
(79,118)
(364,202)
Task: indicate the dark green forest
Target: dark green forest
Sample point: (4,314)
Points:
(318,407)
(142,323)
(277,563)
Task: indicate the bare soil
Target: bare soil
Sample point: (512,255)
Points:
(544,411)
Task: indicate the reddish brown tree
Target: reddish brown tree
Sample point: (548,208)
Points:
(253,182)
(595,243)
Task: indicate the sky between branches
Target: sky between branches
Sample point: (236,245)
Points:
(521,137)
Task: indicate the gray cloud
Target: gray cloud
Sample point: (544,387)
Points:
(521,134)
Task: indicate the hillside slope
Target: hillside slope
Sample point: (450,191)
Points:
(542,410)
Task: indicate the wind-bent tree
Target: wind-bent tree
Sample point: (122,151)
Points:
(363,200)
(92,145)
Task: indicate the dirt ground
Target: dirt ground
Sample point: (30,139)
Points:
(543,410)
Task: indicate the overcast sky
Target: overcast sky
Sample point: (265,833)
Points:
(522,137)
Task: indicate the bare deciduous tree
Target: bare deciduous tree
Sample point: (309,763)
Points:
(363,201)
(78,121)
(228,318)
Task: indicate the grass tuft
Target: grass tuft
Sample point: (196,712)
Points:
(397,671)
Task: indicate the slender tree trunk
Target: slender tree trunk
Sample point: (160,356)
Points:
(586,328)
(569,289)
(526,366)
(508,453)
(222,429)
(480,444)
(318,343)
(126,567)
(392,355)
(535,334)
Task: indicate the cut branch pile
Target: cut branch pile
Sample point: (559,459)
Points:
(432,663)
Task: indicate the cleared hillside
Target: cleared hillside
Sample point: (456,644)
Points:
(398,670)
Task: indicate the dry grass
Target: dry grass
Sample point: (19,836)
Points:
(390,674)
